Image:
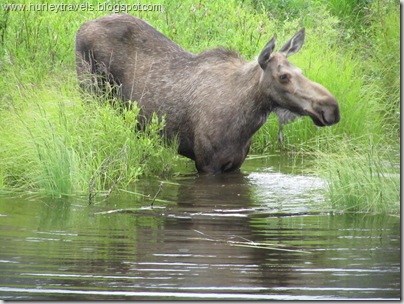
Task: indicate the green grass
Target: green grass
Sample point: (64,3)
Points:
(362,74)
(56,141)
(360,66)
(362,178)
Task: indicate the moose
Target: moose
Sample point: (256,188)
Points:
(213,102)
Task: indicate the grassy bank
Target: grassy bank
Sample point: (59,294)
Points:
(359,47)
(359,64)
(57,141)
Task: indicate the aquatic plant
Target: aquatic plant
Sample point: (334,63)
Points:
(362,178)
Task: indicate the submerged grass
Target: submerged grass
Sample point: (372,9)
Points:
(57,141)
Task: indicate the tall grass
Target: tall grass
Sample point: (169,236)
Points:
(362,73)
(364,173)
(54,139)
(358,44)
(58,142)
(383,70)
(362,178)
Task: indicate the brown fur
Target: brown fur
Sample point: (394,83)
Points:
(214,101)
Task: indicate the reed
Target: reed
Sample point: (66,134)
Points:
(59,143)
(361,178)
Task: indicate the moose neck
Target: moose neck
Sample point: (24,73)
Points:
(254,106)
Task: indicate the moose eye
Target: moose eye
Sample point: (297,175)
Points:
(283,77)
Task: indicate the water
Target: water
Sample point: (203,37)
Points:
(263,234)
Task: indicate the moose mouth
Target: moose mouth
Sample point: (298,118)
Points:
(318,118)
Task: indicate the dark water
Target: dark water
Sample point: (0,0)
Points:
(264,234)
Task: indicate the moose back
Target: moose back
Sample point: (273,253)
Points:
(213,102)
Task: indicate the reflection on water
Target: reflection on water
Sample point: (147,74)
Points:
(256,235)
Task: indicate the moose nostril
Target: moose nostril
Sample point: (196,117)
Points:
(330,116)
(328,120)
(337,115)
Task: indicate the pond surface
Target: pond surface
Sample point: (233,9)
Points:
(262,234)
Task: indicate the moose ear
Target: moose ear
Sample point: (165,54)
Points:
(294,44)
(266,52)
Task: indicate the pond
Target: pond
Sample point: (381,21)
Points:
(262,234)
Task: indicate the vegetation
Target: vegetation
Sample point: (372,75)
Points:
(59,142)
(359,45)
(56,140)
(362,177)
